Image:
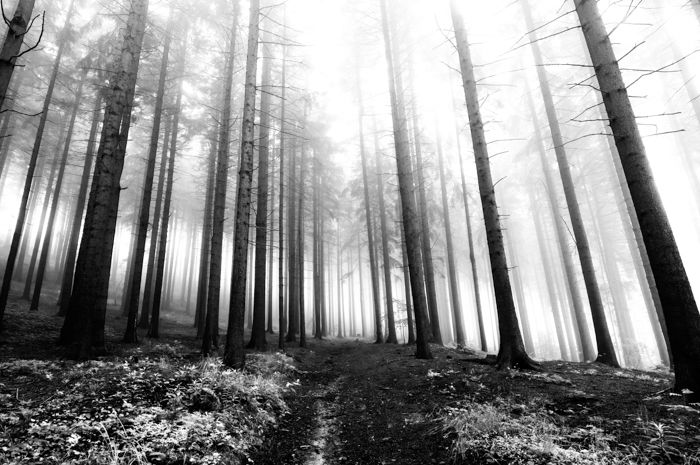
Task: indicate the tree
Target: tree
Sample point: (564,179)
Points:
(18,27)
(257,338)
(67,280)
(408,203)
(606,350)
(679,306)
(451,267)
(211,327)
(234,355)
(368,220)
(84,323)
(511,353)
(154,326)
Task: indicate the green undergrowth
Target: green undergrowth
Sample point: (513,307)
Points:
(152,407)
(505,432)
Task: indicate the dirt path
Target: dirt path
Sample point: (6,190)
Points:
(359,403)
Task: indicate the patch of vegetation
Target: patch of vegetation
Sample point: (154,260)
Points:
(140,409)
(504,432)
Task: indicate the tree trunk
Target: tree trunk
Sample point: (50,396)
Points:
(271,248)
(451,267)
(5,138)
(606,350)
(280,266)
(155,230)
(317,269)
(257,339)
(512,351)
(132,305)
(678,303)
(67,283)
(293,304)
(84,324)
(411,223)
(210,337)
(426,243)
(41,268)
(234,355)
(12,45)
(203,281)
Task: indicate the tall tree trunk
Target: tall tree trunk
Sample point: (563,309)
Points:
(512,351)
(84,324)
(300,246)
(210,337)
(203,281)
(411,223)
(317,268)
(271,248)
(154,324)
(339,273)
(12,45)
(155,229)
(41,268)
(388,294)
(132,305)
(293,303)
(678,303)
(368,221)
(257,339)
(67,282)
(406,285)
(604,345)
(451,267)
(280,266)
(426,243)
(234,355)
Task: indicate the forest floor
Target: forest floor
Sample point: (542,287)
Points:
(340,401)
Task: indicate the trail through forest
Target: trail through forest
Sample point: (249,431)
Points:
(360,403)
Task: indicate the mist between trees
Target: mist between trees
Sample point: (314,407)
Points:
(518,178)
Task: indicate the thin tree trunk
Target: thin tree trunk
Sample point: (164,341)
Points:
(154,324)
(679,306)
(257,339)
(316,245)
(270,250)
(411,223)
(210,337)
(512,351)
(234,355)
(451,267)
(293,304)
(280,266)
(203,282)
(84,324)
(41,268)
(155,229)
(604,345)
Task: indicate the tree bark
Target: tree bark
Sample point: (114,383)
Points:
(281,310)
(678,303)
(257,339)
(67,282)
(411,223)
(234,355)
(512,351)
(84,324)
